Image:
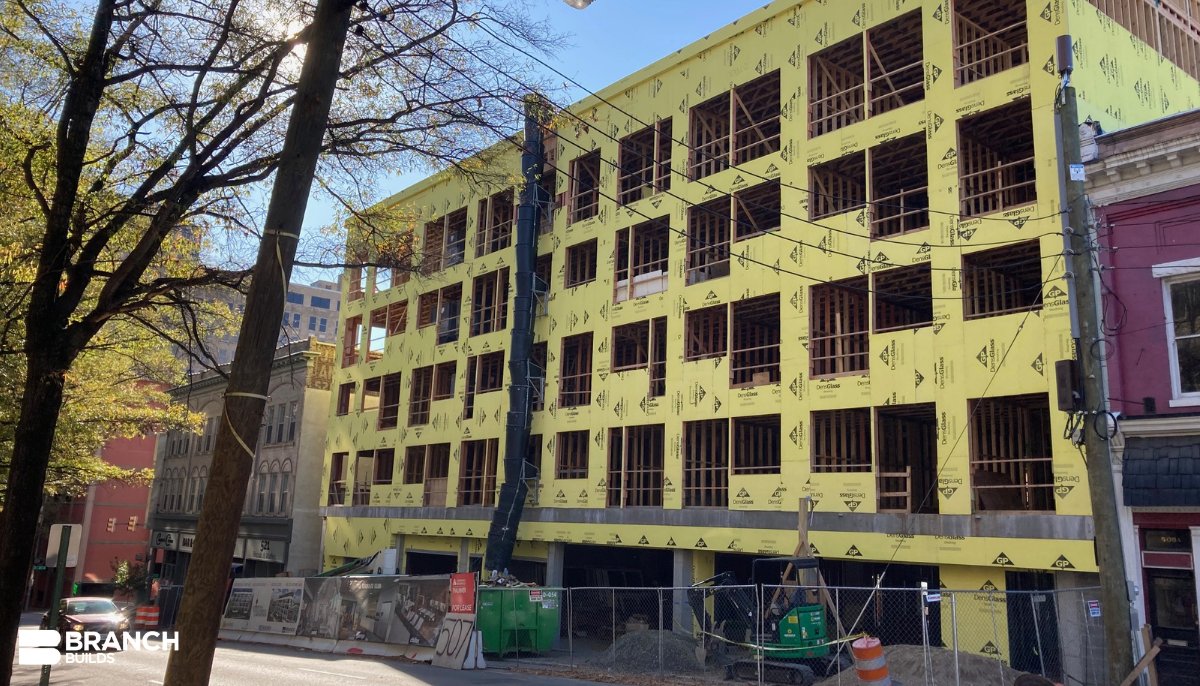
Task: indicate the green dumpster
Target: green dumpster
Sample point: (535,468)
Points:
(515,620)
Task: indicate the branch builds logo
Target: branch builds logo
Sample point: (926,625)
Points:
(40,646)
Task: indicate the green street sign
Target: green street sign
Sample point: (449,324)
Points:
(39,568)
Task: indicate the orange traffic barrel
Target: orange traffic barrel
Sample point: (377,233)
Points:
(869,662)
(147,615)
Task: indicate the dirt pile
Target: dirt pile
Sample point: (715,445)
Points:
(907,666)
(638,652)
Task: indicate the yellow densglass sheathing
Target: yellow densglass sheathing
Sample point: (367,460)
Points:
(949,363)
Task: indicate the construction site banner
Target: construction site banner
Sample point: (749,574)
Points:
(270,605)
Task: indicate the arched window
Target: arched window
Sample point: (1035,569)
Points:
(272,489)
(203,486)
(193,483)
(285,487)
(260,502)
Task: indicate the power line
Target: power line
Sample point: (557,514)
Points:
(483,26)
(745,258)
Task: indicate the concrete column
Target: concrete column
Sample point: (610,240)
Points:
(555,555)
(681,579)
(398,544)
(464,555)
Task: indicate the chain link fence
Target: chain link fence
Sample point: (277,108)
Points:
(788,634)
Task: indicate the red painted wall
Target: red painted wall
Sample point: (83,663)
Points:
(119,501)
(1149,230)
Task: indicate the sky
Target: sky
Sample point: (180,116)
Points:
(604,43)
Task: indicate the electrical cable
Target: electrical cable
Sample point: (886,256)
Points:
(483,26)
(741,258)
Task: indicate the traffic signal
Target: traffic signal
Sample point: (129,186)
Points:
(133,520)
(112,523)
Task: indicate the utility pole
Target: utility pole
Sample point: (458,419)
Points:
(1080,239)
(250,371)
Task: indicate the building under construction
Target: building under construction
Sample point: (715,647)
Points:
(814,257)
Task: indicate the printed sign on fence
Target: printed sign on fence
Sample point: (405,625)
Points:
(265,605)
(462,593)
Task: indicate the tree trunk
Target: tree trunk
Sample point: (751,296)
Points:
(250,373)
(40,406)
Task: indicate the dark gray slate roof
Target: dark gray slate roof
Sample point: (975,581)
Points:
(1162,472)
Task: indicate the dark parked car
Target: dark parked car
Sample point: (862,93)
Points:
(88,614)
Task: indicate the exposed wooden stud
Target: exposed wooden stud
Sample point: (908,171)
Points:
(1011,453)
(1002,280)
(489,302)
(571,455)
(575,376)
(477,472)
(838,185)
(754,342)
(756,445)
(838,341)
(841,440)
(996,159)
(903,298)
(899,187)
(990,36)
(584,199)
(706,463)
(906,458)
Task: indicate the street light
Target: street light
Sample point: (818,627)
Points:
(578,4)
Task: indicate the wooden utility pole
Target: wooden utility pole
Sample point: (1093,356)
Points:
(250,372)
(1080,239)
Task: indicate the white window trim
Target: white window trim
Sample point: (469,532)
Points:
(1173,273)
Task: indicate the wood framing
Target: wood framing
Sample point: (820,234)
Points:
(376,334)
(575,376)
(706,333)
(1171,27)
(839,328)
(443,379)
(756,210)
(494,225)
(708,239)
(546,201)
(838,186)
(345,397)
(485,374)
(757,444)
(537,375)
(995,159)
(489,302)
(1002,280)
(337,479)
(895,64)
(836,96)
(840,440)
(581,264)
(477,472)
(437,475)
(706,463)
(658,357)
(754,342)
(735,127)
(389,402)
(385,466)
(899,187)
(584,199)
(356,283)
(631,346)
(903,297)
(1011,453)
(635,466)
(445,242)
(351,339)
(364,476)
(441,307)
(571,455)
(990,36)
(645,163)
(372,388)
(420,394)
(397,317)
(640,260)
(414,464)
(906,461)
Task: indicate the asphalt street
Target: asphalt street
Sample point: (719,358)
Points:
(240,664)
